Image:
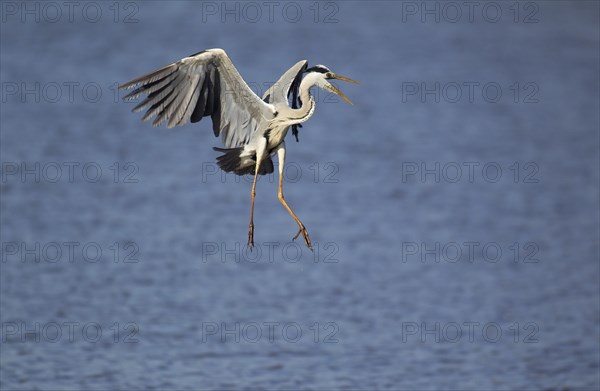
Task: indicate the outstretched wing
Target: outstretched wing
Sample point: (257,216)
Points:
(288,85)
(279,92)
(202,85)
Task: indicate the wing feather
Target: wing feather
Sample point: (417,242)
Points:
(182,101)
(151,88)
(198,112)
(213,91)
(163,105)
(186,114)
(205,84)
(279,92)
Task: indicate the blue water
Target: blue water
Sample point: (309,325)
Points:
(455,229)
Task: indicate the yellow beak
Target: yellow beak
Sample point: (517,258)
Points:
(338,92)
(338,77)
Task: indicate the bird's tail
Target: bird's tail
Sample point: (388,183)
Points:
(237,161)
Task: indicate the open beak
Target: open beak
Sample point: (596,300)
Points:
(342,78)
(338,92)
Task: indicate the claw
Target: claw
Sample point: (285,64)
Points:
(304,233)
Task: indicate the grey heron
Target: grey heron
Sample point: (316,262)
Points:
(252,129)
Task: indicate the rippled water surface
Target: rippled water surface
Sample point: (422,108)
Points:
(455,224)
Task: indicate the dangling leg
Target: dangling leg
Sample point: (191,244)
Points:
(260,151)
(302,230)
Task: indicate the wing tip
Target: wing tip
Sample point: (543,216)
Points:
(148,77)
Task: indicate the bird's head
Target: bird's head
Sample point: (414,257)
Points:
(322,74)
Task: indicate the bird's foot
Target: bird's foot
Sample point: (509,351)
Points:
(251,236)
(304,233)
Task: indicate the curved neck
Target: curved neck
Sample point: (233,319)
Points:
(304,112)
(308,102)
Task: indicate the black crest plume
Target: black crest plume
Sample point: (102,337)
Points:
(296,101)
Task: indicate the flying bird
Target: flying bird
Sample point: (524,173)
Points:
(252,128)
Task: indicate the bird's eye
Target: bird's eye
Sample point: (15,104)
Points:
(329,75)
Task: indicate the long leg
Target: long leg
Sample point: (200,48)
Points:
(260,151)
(302,229)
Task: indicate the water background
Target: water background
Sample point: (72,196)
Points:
(386,301)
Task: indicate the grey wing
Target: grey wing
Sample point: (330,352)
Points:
(202,85)
(279,92)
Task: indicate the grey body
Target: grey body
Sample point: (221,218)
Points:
(208,84)
(252,129)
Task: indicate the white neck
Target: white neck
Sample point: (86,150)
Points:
(296,116)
